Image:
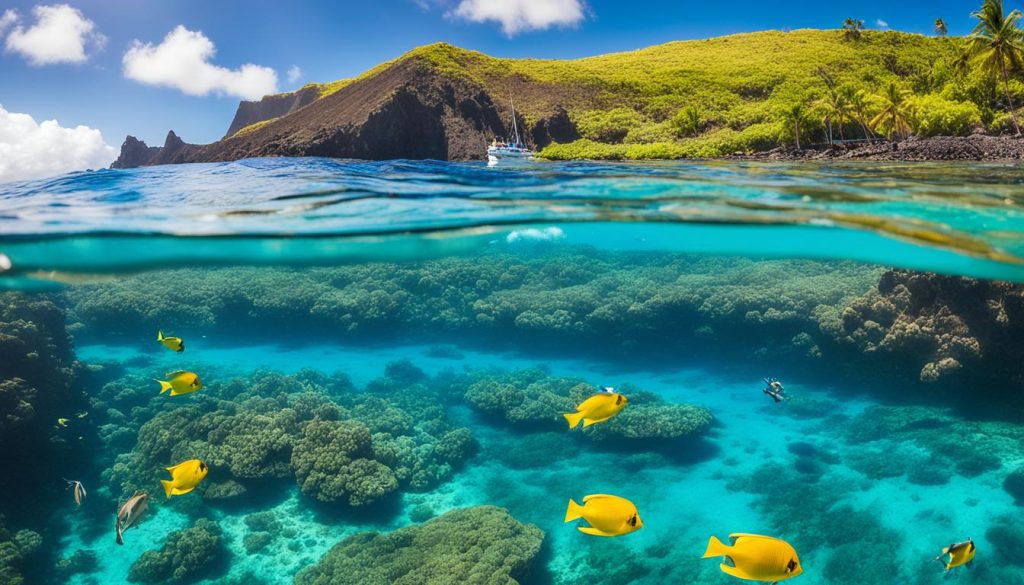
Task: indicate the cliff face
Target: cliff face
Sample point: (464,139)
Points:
(270,107)
(407,109)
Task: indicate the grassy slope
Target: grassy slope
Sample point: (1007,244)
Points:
(737,82)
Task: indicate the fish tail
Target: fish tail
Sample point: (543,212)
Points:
(160,335)
(120,540)
(574,418)
(164,386)
(574,511)
(168,486)
(715,548)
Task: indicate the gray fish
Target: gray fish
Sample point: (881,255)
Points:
(130,513)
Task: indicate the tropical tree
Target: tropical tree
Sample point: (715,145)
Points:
(940,27)
(852,28)
(894,110)
(796,115)
(835,111)
(858,102)
(996,46)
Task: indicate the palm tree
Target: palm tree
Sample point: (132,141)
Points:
(996,46)
(857,107)
(835,110)
(940,27)
(894,111)
(852,28)
(796,114)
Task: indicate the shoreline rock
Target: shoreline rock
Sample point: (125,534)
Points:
(975,148)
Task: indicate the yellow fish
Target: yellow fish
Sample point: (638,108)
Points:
(607,515)
(171,343)
(185,476)
(756,558)
(181,383)
(960,554)
(62,422)
(598,408)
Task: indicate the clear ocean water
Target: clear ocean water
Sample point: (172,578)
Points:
(382,343)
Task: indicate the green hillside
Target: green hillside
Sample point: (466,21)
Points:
(731,94)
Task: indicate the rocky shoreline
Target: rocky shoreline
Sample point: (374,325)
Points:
(977,148)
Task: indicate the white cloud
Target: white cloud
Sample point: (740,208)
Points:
(516,16)
(8,18)
(294,74)
(182,61)
(61,34)
(881,23)
(30,150)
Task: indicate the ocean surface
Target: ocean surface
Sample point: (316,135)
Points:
(383,343)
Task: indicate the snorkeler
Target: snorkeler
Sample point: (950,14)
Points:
(774,389)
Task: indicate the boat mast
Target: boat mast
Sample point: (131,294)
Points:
(515,127)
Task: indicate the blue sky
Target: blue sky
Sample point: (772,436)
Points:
(331,40)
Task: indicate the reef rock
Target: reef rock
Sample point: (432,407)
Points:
(187,555)
(482,545)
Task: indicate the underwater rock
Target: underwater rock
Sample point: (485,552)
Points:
(186,555)
(471,545)
(256,542)
(1007,538)
(421,513)
(224,490)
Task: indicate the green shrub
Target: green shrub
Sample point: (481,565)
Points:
(609,126)
(935,115)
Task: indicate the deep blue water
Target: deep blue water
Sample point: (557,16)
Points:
(386,290)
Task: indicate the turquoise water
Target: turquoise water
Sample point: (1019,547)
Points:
(384,344)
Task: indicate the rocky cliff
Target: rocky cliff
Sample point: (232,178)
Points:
(407,109)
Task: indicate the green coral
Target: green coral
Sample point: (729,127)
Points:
(333,460)
(15,549)
(482,545)
(185,556)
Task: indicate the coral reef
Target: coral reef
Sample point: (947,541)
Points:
(532,399)
(81,561)
(15,549)
(340,445)
(472,545)
(942,323)
(1014,485)
(185,556)
(1007,538)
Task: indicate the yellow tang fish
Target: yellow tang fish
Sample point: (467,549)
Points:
(607,515)
(960,554)
(62,423)
(598,408)
(185,477)
(171,343)
(181,383)
(756,558)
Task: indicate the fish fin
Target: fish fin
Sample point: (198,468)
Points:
(181,347)
(120,539)
(180,492)
(595,497)
(168,487)
(574,511)
(589,421)
(164,386)
(594,531)
(175,373)
(735,572)
(716,548)
(574,419)
(738,535)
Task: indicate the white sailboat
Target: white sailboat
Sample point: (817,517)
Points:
(500,150)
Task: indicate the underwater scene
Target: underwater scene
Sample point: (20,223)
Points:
(314,371)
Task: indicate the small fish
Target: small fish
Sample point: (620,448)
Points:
(79,490)
(130,513)
(607,515)
(181,382)
(62,423)
(82,414)
(756,558)
(171,343)
(598,408)
(960,554)
(185,477)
